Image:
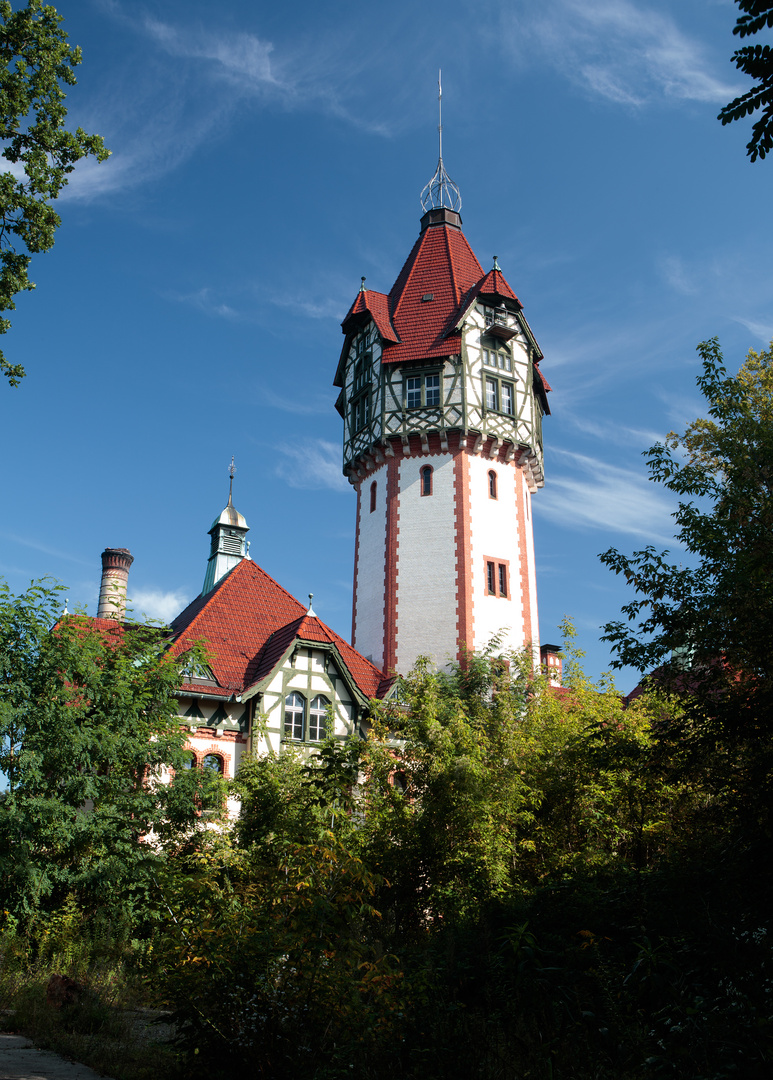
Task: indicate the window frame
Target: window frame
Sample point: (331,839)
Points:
(496,577)
(421,376)
(360,397)
(426,480)
(498,383)
(307,711)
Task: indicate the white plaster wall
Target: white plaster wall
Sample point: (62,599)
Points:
(426,564)
(371,587)
(532,565)
(494,533)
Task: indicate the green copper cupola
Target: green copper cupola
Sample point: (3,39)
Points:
(229,541)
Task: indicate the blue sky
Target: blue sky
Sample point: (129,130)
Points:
(265,158)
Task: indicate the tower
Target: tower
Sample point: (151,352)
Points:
(229,540)
(442,401)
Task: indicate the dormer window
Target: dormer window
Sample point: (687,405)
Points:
(422,390)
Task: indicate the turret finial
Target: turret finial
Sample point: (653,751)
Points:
(441,191)
(362,284)
(311,610)
(231,474)
(496,264)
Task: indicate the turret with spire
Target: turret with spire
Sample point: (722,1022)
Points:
(229,544)
(442,400)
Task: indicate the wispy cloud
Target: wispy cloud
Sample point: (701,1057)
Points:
(312,463)
(761,330)
(159,604)
(590,494)
(625,52)
(56,553)
(316,406)
(204,300)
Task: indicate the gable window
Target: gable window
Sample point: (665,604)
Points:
(318,711)
(422,390)
(498,358)
(295,714)
(499,395)
(373,496)
(497,574)
(426,480)
(492,484)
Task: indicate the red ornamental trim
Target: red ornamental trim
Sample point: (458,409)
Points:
(390,564)
(464,601)
(356,566)
(528,637)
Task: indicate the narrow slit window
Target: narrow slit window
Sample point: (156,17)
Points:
(502,580)
(491,578)
(492,484)
(373,496)
(426,480)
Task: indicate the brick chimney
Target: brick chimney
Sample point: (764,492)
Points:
(115,579)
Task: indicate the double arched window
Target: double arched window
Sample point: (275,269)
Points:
(304,724)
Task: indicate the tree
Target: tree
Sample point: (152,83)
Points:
(756,61)
(35,63)
(708,624)
(88,730)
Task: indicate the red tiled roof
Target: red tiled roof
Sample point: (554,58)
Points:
(494,284)
(365,675)
(248,621)
(442,264)
(375,304)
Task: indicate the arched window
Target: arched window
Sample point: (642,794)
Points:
(213,763)
(492,484)
(189,760)
(318,712)
(426,480)
(294,716)
(373,496)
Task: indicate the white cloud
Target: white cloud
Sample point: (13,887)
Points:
(240,57)
(625,52)
(158,604)
(590,494)
(312,463)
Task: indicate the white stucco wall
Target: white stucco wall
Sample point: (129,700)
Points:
(371,587)
(494,535)
(426,564)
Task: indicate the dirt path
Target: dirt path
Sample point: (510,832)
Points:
(20,1060)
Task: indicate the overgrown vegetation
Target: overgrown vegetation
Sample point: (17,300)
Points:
(503,881)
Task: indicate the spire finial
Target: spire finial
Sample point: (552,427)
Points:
(362,284)
(231,474)
(496,264)
(311,610)
(441,191)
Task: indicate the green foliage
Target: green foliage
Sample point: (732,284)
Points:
(715,612)
(87,728)
(35,63)
(757,62)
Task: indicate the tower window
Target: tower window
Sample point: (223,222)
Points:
(360,393)
(422,390)
(500,395)
(492,484)
(497,574)
(498,358)
(426,480)
(373,496)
